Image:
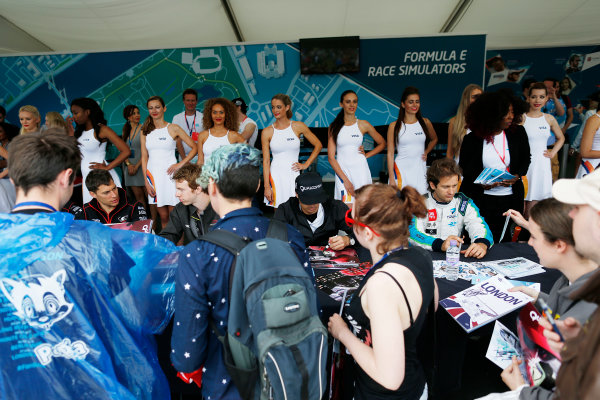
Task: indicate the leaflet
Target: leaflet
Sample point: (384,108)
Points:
(484,303)
(492,175)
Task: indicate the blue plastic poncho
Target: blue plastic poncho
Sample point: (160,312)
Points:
(79,303)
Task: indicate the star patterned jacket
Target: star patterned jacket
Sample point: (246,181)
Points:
(202,293)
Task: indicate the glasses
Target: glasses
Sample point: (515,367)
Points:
(350,221)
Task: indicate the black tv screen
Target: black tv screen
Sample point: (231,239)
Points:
(329,55)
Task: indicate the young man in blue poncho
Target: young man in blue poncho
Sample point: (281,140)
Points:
(77,302)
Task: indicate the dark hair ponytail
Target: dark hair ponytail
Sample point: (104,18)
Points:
(96,117)
(402,113)
(338,122)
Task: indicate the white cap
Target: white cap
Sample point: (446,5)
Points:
(579,191)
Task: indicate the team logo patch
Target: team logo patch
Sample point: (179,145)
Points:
(432,214)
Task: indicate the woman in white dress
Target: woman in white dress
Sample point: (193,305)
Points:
(346,137)
(158,143)
(538,126)
(457,126)
(220,120)
(93,135)
(283,140)
(590,146)
(408,135)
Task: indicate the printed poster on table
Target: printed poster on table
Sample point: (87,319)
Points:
(484,303)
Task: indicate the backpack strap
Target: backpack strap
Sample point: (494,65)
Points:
(227,240)
(277,230)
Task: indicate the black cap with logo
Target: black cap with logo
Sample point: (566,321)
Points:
(309,188)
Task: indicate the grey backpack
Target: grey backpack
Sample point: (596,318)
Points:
(275,346)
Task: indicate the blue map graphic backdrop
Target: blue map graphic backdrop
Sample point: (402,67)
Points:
(440,66)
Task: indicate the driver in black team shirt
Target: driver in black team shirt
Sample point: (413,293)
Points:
(109,204)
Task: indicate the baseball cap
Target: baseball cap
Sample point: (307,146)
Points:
(309,188)
(239,102)
(579,191)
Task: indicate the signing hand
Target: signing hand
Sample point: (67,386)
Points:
(337,326)
(511,376)
(338,242)
(477,250)
(446,243)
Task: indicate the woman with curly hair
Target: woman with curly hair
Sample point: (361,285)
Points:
(496,141)
(283,139)
(457,127)
(220,120)
(93,134)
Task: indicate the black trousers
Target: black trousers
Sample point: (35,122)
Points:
(492,208)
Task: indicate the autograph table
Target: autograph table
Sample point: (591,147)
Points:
(452,340)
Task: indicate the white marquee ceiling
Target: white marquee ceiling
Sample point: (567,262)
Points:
(31,26)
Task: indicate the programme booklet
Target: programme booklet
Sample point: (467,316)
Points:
(483,303)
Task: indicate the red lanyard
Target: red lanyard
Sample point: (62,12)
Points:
(191,130)
(503,156)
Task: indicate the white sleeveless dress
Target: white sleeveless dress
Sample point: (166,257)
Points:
(353,163)
(588,165)
(212,143)
(161,155)
(539,174)
(285,147)
(409,168)
(92,151)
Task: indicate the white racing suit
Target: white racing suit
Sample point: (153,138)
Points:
(445,219)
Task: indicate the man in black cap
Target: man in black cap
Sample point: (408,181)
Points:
(317,217)
(248,128)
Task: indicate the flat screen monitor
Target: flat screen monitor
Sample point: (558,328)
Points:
(329,55)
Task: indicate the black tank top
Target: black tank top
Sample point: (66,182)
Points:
(418,261)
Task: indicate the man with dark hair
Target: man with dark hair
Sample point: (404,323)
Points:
(109,203)
(248,128)
(525,86)
(449,213)
(73,319)
(316,216)
(193,216)
(231,177)
(190,120)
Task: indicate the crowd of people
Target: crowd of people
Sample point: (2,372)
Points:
(202,173)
